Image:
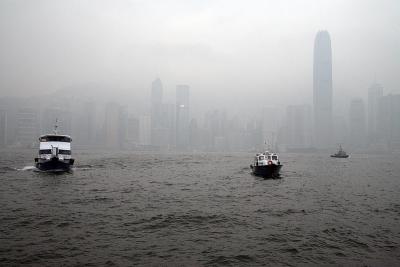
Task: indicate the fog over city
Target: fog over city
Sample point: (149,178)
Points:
(237,57)
(199,132)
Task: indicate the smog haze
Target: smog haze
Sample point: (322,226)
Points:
(257,51)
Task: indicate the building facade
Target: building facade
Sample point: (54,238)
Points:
(357,122)
(375,92)
(182,117)
(322,90)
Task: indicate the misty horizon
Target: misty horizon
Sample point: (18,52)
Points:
(224,50)
(300,73)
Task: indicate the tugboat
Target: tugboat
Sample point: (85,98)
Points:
(54,153)
(266,165)
(340,154)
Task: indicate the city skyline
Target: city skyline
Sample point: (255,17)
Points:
(169,126)
(173,121)
(254,56)
(200,133)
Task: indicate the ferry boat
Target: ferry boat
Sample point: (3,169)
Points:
(266,164)
(340,154)
(54,153)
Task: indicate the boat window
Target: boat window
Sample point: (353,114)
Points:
(64,152)
(261,157)
(274,157)
(55,139)
(44,151)
(269,157)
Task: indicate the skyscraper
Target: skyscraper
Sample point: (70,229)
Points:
(388,121)
(182,116)
(169,113)
(87,124)
(3,127)
(156,92)
(298,127)
(132,131)
(145,130)
(114,126)
(158,129)
(357,123)
(156,103)
(375,92)
(216,125)
(322,89)
(27,126)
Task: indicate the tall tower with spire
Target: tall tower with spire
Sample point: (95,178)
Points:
(322,90)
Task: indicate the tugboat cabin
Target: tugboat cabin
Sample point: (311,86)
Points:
(266,159)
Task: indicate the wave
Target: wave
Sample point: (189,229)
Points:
(82,167)
(11,169)
(7,169)
(181,220)
(231,260)
(27,168)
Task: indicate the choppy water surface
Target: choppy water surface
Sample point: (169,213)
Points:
(200,209)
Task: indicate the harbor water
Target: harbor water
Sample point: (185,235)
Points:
(202,209)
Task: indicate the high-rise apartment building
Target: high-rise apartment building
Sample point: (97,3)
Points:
(388,121)
(322,90)
(27,131)
(298,127)
(182,116)
(114,126)
(158,129)
(357,122)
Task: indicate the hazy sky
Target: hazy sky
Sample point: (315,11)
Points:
(258,52)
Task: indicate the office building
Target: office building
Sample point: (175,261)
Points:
(322,90)
(182,116)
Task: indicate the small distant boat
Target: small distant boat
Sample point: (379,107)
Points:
(54,153)
(266,164)
(340,154)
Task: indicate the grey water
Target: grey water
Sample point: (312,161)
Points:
(202,209)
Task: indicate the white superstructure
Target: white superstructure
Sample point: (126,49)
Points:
(53,145)
(266,158)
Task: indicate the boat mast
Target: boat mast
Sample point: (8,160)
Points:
(267,144)
(269,141)
(55,127)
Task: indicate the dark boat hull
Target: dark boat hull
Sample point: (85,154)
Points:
(54,165)
(342,157)
(266,170)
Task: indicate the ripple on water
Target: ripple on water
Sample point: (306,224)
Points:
(128,209)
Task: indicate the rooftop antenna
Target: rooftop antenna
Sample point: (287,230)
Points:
(55,127)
